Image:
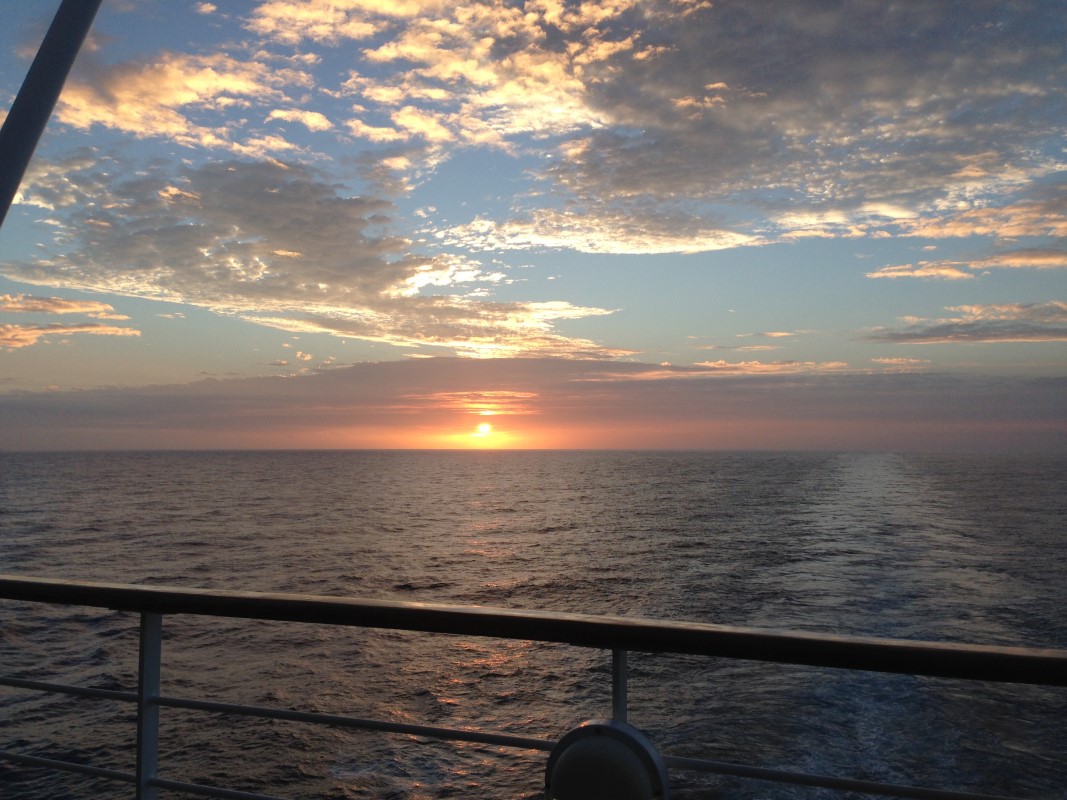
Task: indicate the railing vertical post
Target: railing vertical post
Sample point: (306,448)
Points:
(148,674)
(618,685)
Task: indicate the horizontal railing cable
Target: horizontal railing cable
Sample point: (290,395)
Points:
(68,766)
(821,781)
(201,790)
(198,789)
(340,721)
(62,688)
(457,734)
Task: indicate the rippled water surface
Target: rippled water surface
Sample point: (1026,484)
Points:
(918,547)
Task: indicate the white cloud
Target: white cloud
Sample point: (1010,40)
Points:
(597,229)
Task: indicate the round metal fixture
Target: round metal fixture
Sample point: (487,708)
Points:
(605,760)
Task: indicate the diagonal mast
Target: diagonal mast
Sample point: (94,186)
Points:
(34,103)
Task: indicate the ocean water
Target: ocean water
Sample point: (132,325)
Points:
(947,548)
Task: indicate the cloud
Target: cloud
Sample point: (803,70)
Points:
(945,270)
(900,361)
(641,127)
(848,119)
(15,337)
(211,239)
(427,125)
(1025,217)
(280,245)
(596,229)
(375,133)
(480,403)
(901,365)
(1010,322)
(860,120)
(748,348)
(65,182)
(312,120)
(723,367)
(548,403)
(1029,258)
(1023,258)
(21,303)
(167,96)
(330,21)
(474,329)
(652,127)
(448,271)
(18,336)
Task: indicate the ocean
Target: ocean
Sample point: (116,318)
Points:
(935,547)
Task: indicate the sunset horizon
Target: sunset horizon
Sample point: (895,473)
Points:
(665,225)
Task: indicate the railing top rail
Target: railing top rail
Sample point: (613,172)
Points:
(937,659)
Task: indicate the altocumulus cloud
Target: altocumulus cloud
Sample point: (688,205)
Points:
(167,97)
(56,305)
(279,245)
(17,336)
(1037,213)
(1012,322)
(665,121)
(660,126)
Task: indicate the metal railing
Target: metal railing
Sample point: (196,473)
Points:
(616,634)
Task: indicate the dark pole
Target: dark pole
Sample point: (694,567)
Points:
(33,106)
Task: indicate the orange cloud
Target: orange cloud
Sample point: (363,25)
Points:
(769,368)
(313,120)
(1024,218)
(21,303)
(155,98)
(15,337)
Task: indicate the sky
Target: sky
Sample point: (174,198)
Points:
(607,224)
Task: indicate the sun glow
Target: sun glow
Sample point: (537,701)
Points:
(483,437)
(479,420)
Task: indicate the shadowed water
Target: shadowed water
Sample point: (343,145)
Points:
(921,547)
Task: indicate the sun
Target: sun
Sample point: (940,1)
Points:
(483,430)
